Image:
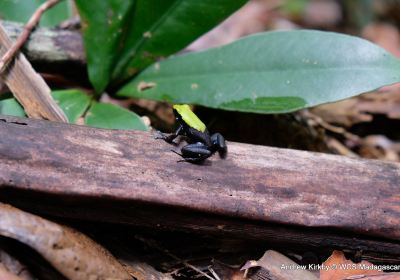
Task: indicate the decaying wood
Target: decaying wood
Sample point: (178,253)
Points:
(50,46)
(23,37)
(70,252)
(28,87)
(262,193)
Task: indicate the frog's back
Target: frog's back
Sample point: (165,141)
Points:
(189,117)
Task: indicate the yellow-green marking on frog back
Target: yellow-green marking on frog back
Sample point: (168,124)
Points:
(189,117)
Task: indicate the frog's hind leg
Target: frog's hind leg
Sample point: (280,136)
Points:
(192,160)
(218,144)
(195,153)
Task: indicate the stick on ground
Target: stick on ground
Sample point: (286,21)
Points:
(28,87)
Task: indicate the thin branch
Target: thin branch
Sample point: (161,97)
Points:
(214,273)
(33,21)
(153,244)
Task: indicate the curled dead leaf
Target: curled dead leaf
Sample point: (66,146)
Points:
(337,267)
(386,276)
(10,264)
(7,275)
(362,108)
(224,271)
(73,254)
(280,267)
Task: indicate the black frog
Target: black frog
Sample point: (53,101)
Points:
(201,145)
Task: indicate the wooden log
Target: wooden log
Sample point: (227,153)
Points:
(258,192)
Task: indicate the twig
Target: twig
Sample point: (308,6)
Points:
(33,21)
(214,273)
(165,251)
(190,266)
(28,87)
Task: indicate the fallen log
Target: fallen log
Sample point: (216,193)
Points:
(258,192)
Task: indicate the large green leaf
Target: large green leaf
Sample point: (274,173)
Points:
(105,24)
(163,27)
(270,73)
(104,115)
(122,37)
(22,10)
(73,102)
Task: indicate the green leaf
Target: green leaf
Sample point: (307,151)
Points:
(104,115)
(11,107)
(105,24)
(163,27)
(22,10)
(271,72)
(123,37)
(294,7)
(73,102)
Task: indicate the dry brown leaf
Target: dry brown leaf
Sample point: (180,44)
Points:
(73,254)
(337,267)
(143,271)
(386,276)
(280,267)
(7,275)
(14,266)
(362,108)
(379,147)
(345,113)
(385,101)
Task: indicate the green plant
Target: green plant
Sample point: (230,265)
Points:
(130,47)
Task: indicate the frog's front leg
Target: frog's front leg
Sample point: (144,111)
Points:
(171,137)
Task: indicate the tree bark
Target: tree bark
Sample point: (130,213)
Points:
(258,192)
